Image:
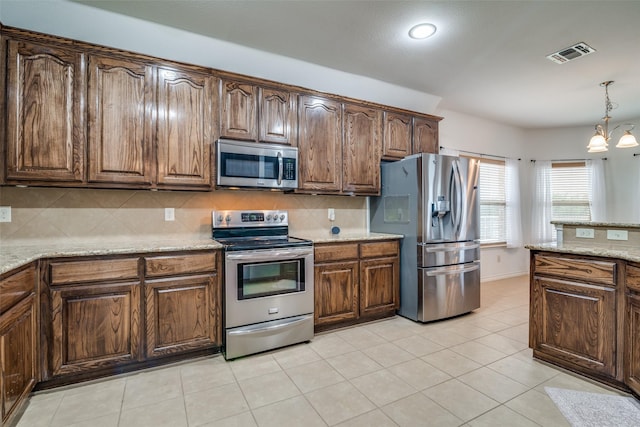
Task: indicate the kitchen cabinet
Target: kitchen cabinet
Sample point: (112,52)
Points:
(362,128)
(355,282)
(573,318)
(256,113)
(320,145)
(632,329)
(183,298)
(425,135)
(94,315)
(186,127)
(120,121)
(45,98)
(18,341)
(397,136)
(277,113)
(239,107)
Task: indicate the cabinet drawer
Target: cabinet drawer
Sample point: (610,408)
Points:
(633,278)
(569,268)
(378,249)
(63,273)
(180,264)
(336,252)
(16,287)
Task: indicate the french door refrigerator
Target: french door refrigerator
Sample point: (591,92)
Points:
(433,201)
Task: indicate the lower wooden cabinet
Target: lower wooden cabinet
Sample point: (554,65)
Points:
(355,282)
(114,312)
(94,326)
(632,343)
(575,323)
(18,342)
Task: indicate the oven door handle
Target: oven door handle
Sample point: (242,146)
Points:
(271,255)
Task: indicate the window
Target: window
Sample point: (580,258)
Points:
(493,205)
(570,192)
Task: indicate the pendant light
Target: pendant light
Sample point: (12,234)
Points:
(600,141)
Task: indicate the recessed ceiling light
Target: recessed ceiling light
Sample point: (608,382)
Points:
(422,31)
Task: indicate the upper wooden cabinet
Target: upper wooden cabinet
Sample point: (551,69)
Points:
(277,116)
(361,149)
(320,145)
(254,113)
(120,121)
(425,135)
(45,118)
(239,105)
(186,127)
(396,136)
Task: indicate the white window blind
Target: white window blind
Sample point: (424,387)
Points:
(570,192)
(492,201)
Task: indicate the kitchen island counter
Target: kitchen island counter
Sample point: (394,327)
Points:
(15,255)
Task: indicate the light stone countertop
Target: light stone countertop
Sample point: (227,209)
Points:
(597,224)
(349,236)
(628,253)
(14,255)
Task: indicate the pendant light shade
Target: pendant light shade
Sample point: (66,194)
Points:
(627,140)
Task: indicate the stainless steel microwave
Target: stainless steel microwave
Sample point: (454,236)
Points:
(256,165)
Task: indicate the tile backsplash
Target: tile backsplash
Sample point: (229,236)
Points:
(51,213)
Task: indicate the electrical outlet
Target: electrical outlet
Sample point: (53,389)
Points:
(169,214)
(585,233)
(331,214)
(5,213)
(617,235)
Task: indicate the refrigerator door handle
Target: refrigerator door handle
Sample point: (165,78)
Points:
(450,248)
(455,190)
(463,268)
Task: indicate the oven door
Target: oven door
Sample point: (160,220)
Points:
(268,284)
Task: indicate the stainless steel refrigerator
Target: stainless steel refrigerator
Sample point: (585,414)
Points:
(433,201)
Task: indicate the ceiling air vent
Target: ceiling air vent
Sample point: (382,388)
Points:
(572,52)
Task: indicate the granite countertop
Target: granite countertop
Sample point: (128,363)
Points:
(597,224)
(628,253)
(15,255)
(349,236)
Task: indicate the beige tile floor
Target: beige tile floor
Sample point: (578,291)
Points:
(473,370)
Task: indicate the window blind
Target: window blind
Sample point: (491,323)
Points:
(492,201)
(570,192)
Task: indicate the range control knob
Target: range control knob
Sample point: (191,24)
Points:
(281,217)
(227,218)
(220,218)
(269,217)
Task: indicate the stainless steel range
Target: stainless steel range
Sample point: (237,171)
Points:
(268,281)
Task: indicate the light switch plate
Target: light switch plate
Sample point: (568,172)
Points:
(617,235)
(169,214)
(331,214)
(585,233)
(5,213)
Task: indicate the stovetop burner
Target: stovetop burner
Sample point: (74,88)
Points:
(248,230)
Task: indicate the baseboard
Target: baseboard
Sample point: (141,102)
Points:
(503,276)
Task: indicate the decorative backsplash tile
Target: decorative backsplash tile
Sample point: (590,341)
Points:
(127,214)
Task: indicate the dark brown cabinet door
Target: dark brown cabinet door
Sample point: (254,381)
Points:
(632,343)
(361,150)
(397,136)
(336,292)
(18,355)
(182,314)
(320,145)
(425,135)
(239,102)
(120,121)
(575,324)
(379,279)
(278,116)
(45,122)
(94,326)
(186,124)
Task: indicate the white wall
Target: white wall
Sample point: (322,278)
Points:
(622,169)
(463,132)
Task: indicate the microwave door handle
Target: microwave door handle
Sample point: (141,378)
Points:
(280,168)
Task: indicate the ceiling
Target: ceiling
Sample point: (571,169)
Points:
(488,58)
